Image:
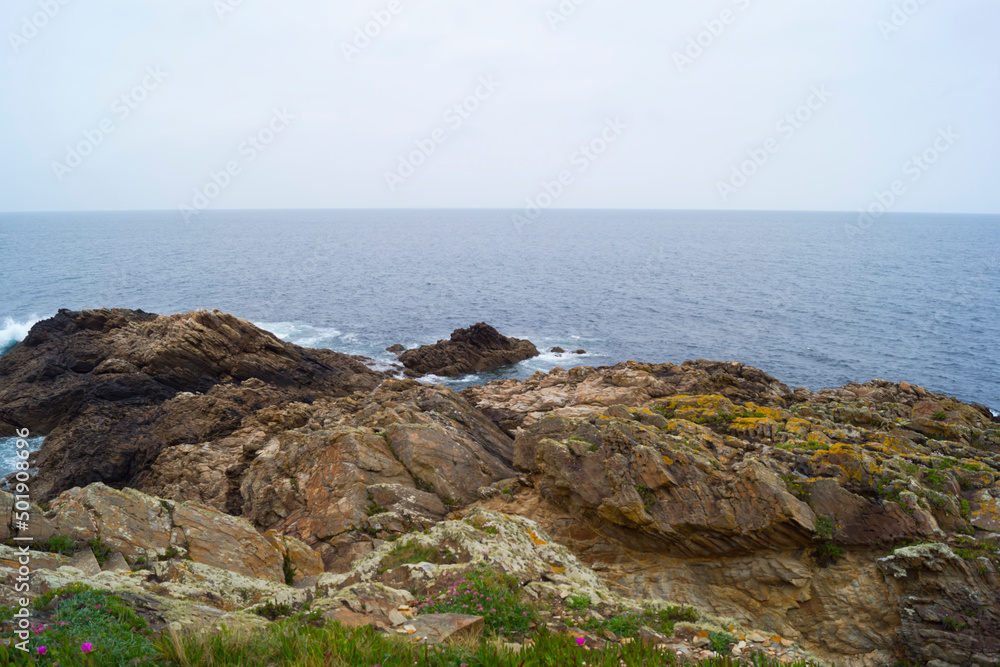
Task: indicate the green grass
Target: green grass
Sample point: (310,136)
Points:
(106,620)
(303,645)
(578,602)
(410,552)
(935,480)
(480,591)
(628,623)
(722,642)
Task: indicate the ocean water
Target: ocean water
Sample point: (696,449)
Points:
(911,297)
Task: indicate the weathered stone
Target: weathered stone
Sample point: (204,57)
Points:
(227,542)
(86,562)
(438,628)
(348,618)
(116,563)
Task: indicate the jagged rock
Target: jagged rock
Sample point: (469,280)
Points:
(86,562)
(959,623)
(476,349)
(137,525)
(116,563)
(226,542)
(395,349)
(638,485)
(112,388)
(557,350)
(583,390)
(305,562)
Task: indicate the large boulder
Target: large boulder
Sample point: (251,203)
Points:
(476,349)
(137,525)
(112,388)
(648,489)
(389,462)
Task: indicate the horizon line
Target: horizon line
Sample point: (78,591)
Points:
(500,209)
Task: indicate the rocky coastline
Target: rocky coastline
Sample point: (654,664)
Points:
(223,470)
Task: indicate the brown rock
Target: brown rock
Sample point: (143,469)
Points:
(473,350)
(108,387)
(395,349)
(227,542)
(348,618)
(86,562)
(557,350)
(116,563)
(437,628)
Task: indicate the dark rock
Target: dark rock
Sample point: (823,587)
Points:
(395,349)
(112,388)
(557,350)
(473,350)
(580,352)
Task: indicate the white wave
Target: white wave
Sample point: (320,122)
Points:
(305,335)
(13,331)
(995,413)
(437,379)
(8,453)
(380,366)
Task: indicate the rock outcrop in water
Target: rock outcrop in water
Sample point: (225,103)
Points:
(474,350)
(862,523)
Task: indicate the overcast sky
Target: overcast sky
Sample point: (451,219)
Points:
(184,84)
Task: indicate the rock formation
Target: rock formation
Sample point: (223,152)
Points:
(861,523)
(112,388)
(476,349)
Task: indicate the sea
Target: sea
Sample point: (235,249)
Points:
(814,299)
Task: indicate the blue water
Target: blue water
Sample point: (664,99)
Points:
(914,298)
(8,453)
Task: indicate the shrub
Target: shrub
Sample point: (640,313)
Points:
(272,611)
(830,553)
(824,527)
(722,642)
(484,592)
(102,552)
(288,569)
(647,495)
(58,544)
(952,624)
(106,620)
(578,602)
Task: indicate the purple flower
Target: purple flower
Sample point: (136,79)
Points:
(42,650)
(86,647)
(580,641)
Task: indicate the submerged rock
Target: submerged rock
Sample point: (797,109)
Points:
(476,349)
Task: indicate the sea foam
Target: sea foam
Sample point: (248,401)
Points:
(13,331)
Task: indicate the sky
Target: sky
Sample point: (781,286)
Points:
(685,104)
